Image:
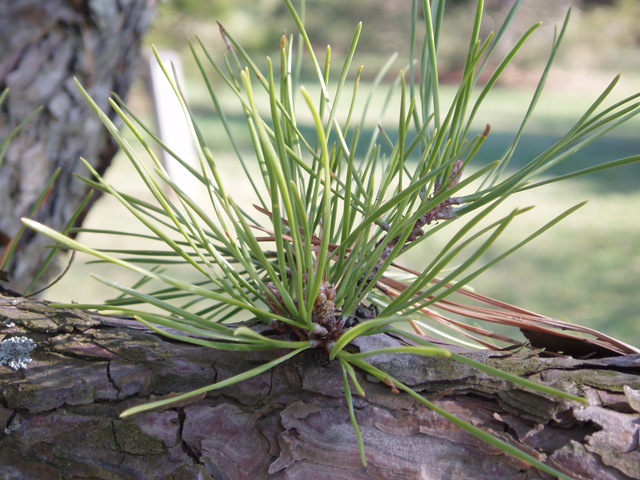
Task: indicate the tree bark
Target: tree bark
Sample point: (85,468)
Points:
(60,413)
(44,44)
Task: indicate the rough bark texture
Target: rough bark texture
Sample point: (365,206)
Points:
(60,414)
(44,44)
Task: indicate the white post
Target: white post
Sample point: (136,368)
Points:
(173,127)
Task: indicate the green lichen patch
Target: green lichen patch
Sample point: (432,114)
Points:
(131,439)
(603,379)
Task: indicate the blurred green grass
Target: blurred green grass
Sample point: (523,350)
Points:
(585,270)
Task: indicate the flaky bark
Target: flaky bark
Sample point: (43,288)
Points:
(44,44)
(60,414)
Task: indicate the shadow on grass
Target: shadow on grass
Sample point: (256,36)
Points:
(610,147)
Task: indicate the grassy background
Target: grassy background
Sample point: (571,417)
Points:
(586,269)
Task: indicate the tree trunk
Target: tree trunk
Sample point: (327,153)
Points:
(44,44)
(60,413)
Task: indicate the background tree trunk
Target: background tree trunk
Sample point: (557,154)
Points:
(44,44)
(60,413)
